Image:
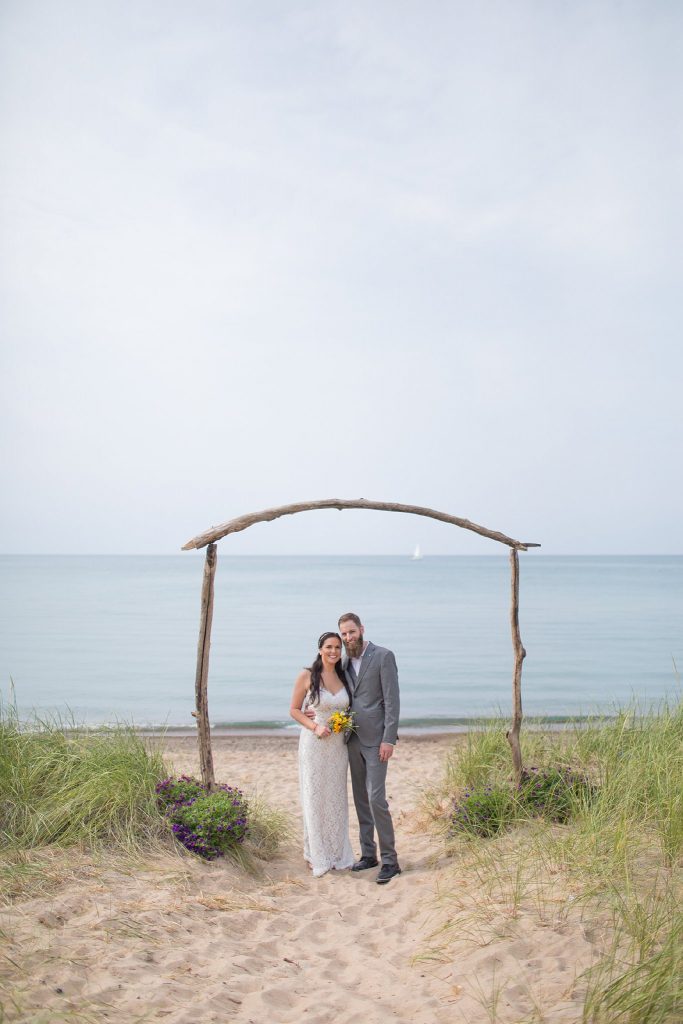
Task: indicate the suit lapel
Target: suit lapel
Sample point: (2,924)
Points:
(365,661)
(350,673)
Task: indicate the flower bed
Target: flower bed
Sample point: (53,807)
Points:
(209,824)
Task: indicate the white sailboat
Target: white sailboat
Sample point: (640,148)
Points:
(417,555)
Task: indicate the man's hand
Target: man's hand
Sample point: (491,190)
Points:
(309,713)
(385,751)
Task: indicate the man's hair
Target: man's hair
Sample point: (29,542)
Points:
(349,615)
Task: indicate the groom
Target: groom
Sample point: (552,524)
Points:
(373,678)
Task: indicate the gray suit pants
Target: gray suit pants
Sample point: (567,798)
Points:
(368,779)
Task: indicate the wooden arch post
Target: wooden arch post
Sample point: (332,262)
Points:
(202,674)
(209,537)
(520,655)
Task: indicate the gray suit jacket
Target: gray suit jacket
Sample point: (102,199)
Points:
(375,696)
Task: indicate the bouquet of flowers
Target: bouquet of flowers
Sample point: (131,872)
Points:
(341,721)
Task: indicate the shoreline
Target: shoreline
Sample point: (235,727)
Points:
(414,730)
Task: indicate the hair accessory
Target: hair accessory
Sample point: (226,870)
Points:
(323,637)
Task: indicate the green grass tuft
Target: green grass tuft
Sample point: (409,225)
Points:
(611,793)
(269,828)
(64,785)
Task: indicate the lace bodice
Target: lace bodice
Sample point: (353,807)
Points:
(329,702)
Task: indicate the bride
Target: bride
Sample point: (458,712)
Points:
(323,759)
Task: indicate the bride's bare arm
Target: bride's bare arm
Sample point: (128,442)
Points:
(301,685)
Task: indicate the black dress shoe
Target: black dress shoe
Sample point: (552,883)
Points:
(387,872)
(364,863)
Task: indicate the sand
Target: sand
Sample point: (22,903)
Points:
(173,939)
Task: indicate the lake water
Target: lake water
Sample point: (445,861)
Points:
(114,637)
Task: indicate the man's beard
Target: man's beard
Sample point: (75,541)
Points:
(354,648)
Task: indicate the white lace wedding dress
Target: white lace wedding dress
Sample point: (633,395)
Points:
(323,765)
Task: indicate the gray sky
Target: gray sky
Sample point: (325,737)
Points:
(259,252)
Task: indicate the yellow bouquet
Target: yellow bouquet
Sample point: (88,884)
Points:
(341,721)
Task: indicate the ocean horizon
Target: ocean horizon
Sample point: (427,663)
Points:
(104,638)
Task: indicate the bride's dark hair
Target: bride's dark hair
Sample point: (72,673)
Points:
(316,670)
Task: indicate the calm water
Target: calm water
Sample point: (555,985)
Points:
(114,637)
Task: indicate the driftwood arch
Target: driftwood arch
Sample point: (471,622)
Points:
(209,538)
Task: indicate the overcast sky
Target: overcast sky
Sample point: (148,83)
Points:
(256,252)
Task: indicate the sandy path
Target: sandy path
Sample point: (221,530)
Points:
(339,947)
(183,941)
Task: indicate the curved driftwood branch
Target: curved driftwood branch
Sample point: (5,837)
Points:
(244,522)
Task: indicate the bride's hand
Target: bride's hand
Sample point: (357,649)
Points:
(322,731)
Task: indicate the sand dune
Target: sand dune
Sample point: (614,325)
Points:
(178,940)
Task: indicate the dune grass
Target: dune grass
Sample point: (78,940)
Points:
(269,828)
(61,784)
(620,849)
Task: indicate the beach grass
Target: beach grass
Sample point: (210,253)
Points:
(65,785)
(617,854)
(269,828)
